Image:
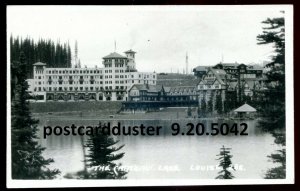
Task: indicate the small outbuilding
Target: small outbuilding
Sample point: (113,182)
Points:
(245,111)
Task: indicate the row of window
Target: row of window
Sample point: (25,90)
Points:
(209,86)
(92,77)
(123,60)
(94,82)
(86,71)
(73,77)
(81,88)
(116,65)
(71,82)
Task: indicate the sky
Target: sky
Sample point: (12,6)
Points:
(162,36)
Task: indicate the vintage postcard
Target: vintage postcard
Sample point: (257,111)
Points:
(149,95)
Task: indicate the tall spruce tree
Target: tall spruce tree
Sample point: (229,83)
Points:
(102,154)
(274,106)
(55,55)
(274,110)
(210,104)
(225,164)
(279,157)
(26,153)
(189,112)
(219,104)
(203,107)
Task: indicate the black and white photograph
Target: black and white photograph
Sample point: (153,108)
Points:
(149,95)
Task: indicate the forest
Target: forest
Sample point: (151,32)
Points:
(54,54)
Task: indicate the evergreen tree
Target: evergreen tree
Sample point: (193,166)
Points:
(27,159)
(274,110)
(274,103)
(278,172)
(225,164)
(189,112)
(228,102)
(210,104)
(101,154)
(219,104)
(198,111)
(203,107)
(55,55)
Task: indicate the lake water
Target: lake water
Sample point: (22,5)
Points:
(166,156)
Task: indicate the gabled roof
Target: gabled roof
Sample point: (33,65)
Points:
(232,84)
(114,55)
(220,74)
(245,108)
(167,89)
(139,87)
(146,87)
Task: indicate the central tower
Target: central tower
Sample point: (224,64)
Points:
(130,54)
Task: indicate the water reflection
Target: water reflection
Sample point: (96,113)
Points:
(166,152)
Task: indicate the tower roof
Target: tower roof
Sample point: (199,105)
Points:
(130,51)
(114,55)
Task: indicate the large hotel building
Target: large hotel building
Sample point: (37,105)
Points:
(108,83)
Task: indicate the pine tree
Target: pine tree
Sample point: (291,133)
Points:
(274,106)
(189,112)
(225,164)
(203,107)
(219,104)
(27,159)
(101,154)
(274,109)
(55,55)
(198,111)
(278,172)
(210,104)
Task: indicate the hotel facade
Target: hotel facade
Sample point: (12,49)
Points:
(108,83)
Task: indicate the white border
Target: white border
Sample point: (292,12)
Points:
(181,182)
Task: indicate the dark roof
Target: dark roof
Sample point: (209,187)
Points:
(219,73)
(129,51)
(114,55)
(39,64)
(255,67)
(145,87)
(200,68)
(227,65)
(140,86)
